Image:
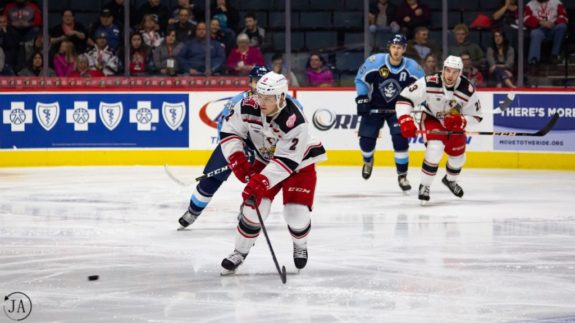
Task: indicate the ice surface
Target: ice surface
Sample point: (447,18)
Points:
(503,253)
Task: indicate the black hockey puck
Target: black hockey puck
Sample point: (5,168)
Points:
(93,277)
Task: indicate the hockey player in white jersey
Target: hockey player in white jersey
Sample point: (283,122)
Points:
(286,155)
(450,104)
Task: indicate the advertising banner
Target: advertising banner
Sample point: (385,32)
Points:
(336,123)
(94,120)
(529,112)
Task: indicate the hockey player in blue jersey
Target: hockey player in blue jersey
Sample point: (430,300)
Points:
(378,83)
(207,187)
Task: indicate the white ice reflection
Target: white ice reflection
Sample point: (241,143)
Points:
(503,253)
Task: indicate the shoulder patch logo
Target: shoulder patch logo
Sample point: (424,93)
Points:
(249,101)
(471,88)
(384,72)
(291,121)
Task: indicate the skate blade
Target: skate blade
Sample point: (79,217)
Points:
(226,272)
(406,193)
(423,202)
(182,229)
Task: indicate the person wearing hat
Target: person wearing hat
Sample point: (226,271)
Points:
(101,57)
(106,25)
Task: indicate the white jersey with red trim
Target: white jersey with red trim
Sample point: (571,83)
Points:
(283,142)
(438,100)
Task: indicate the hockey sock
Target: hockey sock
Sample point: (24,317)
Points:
(453,167)
(298,218)
(433,155)
(249,226)
(202,194)
(367,146)
(401,162)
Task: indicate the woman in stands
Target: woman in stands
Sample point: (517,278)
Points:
(317,73)
(501,59)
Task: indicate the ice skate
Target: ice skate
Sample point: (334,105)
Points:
(366,169)
(452,186)
(423,194)
(403,183)
(186,219)
(299,256)
(232,262)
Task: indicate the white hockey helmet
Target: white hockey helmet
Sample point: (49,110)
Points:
(273,83)
(454,62)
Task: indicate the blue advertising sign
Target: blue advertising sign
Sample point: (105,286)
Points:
(529,113)
(106,120)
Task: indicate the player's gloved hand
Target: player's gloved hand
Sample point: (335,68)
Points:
(240,165)
(363,106)
(257,187)
(454,122)
(407,125)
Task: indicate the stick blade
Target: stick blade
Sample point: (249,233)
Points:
(284,275)
(548,126)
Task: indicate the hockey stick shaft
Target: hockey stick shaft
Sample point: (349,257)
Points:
(282,272)
(213,173)
(540,133)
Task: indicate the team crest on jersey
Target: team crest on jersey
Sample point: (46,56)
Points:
(173,114)
(291,121)
(47,114)
(111,114)
(389,89)
(384,72)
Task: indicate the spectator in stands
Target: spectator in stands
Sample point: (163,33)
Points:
(506,16)
(2,62)
(9,42)
(226,37)
(70,30)
(317,73)
(149,31)
(501,59)
(25,17)
(106,25)
(65,59)
(183,27)
(255,33)
(430,64)
(116,7)
(420,46)
(470,71)
(165,56)
(192,58)
(547,20)
(35,66)
(463,45)
(156,8)
(278,67)
(29,49)
(140,55)
(412,14)
(195,13)
(244,57)
(226,14)
(83,68)
(102,58)
(382,23)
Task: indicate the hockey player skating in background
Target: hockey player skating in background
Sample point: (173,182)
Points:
(207,187)
(378,84)
(450,104)
(285,156)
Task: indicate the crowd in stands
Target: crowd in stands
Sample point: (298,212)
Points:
(172,41)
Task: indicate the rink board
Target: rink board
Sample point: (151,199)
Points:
(172,127)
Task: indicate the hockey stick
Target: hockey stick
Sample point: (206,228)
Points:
(540,133)
(502,106)
(251,201)
(213,173)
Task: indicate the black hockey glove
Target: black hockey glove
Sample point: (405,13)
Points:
(363,106)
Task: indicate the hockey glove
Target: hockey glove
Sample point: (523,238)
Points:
(454,122)
(407,125)
(257,187)
(240,165)
(363,106)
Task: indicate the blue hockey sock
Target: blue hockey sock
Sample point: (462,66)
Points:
(367,146)
(202,194)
